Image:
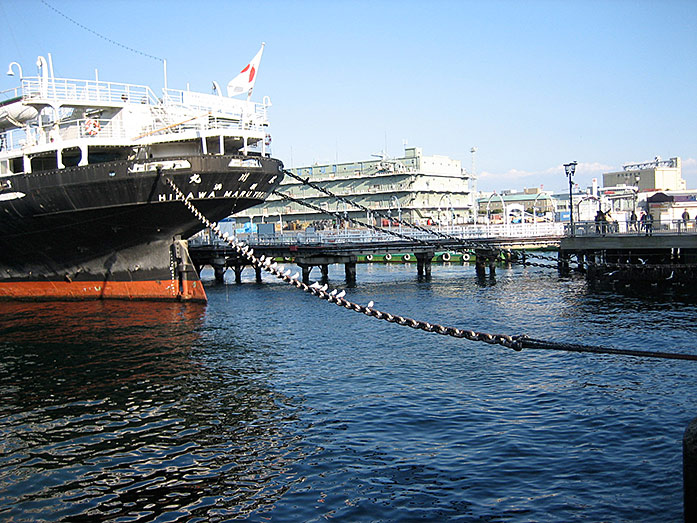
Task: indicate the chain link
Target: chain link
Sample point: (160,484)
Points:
(352,220)
(517,343)
(463,243)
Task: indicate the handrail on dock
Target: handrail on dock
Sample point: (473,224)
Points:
(633,228)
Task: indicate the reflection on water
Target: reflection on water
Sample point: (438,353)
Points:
(113,410)
(270,404)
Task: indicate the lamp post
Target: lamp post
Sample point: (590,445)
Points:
(570,169)
(10,72)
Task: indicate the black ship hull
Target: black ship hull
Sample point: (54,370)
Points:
(115,229)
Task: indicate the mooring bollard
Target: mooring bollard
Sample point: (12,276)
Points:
(689,471)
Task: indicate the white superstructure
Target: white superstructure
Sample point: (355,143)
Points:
(52,123)
(416,188)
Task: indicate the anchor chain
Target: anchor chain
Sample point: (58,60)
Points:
(352,220)
(401,235)
(535,264)
(464,244)
(517,342)
(643,266)
(337,298)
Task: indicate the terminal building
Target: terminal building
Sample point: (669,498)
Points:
(655,186)
(658,175)
(416,188)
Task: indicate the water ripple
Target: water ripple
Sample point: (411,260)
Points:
(270,405)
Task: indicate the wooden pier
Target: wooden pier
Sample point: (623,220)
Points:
(662,258)
(321,252)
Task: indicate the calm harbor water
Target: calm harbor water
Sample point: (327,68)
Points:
(268,404)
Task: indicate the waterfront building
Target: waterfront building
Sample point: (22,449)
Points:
(512,206)
(669,206)
(416,188)
(656,175)
(655,186)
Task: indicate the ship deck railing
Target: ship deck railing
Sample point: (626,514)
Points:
(68,91)
(111,129)
(221,106)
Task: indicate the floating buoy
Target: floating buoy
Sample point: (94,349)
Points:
(465,257)
(445,256)
(388,257)
(368,257)
(406,257)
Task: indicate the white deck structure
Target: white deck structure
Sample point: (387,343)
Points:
(416,188)
(48,123)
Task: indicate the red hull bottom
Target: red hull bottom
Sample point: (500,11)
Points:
(171,290)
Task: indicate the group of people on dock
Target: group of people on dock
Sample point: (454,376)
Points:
(604,223)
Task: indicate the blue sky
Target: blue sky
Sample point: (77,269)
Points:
(531,84)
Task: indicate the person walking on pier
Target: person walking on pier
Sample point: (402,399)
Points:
(685,218)
(599,222)
(632,221)
(647,223)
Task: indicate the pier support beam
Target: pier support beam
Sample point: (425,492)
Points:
(219,266)
(257,270)
(306,272)
(307,262)
(484,257)
(238,273)
(423,264)
(350,271)
(563,263)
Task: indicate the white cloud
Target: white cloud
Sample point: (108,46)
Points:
(689,164)
(552,177)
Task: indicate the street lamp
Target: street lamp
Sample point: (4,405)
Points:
(570,169)
(10,72)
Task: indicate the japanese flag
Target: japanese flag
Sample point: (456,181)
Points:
(244,82)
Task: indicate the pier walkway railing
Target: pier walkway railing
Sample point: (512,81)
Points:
(550,231)
(627,228)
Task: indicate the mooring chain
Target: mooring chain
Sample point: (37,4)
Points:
(537,256)
(642,266)
(517,343)
(465,244)
(543,265)
(267,264)
(388,231)
(352,220)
